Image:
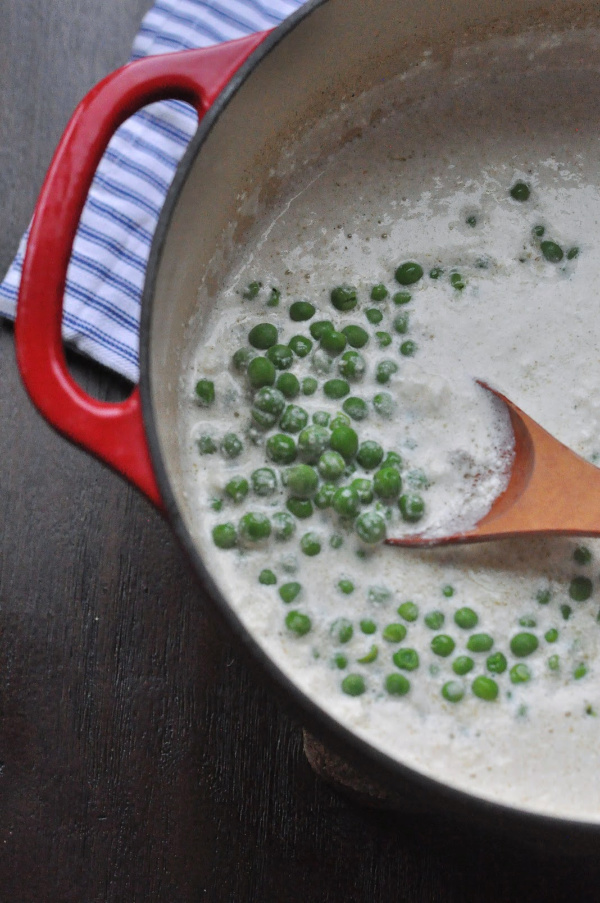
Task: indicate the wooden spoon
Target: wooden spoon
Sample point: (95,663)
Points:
(551,490)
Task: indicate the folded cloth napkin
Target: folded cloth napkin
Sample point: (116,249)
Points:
(106,272)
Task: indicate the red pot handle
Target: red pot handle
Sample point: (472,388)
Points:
(114,432)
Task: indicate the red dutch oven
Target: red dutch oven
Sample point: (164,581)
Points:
(250,95)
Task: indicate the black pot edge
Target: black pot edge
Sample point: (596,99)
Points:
(571,836)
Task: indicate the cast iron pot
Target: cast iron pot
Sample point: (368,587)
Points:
(247,93)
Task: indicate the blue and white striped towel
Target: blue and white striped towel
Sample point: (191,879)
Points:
(110,253)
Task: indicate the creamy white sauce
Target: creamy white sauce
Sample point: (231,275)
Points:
(404,191)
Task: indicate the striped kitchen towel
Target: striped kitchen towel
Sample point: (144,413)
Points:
(106,272)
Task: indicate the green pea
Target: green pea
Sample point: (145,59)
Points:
(435,620)
(394,633)
(457,282)
(383,339)
(538,231)
(344,440)
(254,527)
(321,418)
(436,272)
(520,191)
(302,481)
(551,635)
(343,297)
(370,527)
(448,591)
(383,404)
(527,621)
(324,496)
(284,526)
(572,253)
(288,385)
(319,327)
(289,591)
(301,310)
(496,663)
(408,273)
(580,671)
(409,611)
(551,251)
(368,626)
(237,488)
(300,344)
(371,656)
(406,659)
(251,290)
(369,454)
(224,536)
(519,674)
(206,445)
(353,685)
(331,465)
(485,688)
(582,555)
(293,419)
(580,589)
(402,298)
(333,342)
(364,488)
(267,577)
(566,611)
(378,594)
(387,483)
(463,664)
(205,392)
(352,365)
(393,459)
(274,297)
(453,691)
(310,544)
(346,586)
(340,419)
(280,356)
(312,442)
(379,292)
(543,596)
(397,684)
(261,372)
(443,645)
(466,618)
(554,663)
(262,336)
(523,644)
(298,623)
(385,370)
(300,508)
(412,506)
(340,661)
(309,385)
(281,449)
(480,642)
(346,502)
(374,316)
(336,540)
(356,408)
(401,323)
(336,388)
(231,446)
(264,481)
(356,335)
(342,630)
(242,358)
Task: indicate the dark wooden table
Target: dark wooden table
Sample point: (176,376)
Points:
(140,760)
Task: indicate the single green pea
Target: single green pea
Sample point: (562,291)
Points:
(293,419)
(394,633)
(387,483)
(284,526)
(340,419)
(370,527)
(448,591)
(412,506)
(343,297)
(379,292)
(408,273)
(346,502)
(301,345)
(280,356)
(281,449)
(336,388)
(216,504)
(274,297)
(333,342)
(580,671)
(242,358)
(383,404)
(538,231)
(435,619)
(206,445)
(368,626)
(346,586)
(566,611)
(551,251)
(401,322)
(300,508)
(298,623)
(436,272)
(267,577)
(554,663)
(370,657)
(463,664)
(205,392)
(543,596)
(301,310)
(302,481)
(409,611)
(397,684)
(401,298)
(383,339)
(312,442)
(237,488)
(417,479)
(374,316)
(289,591)
(310,544)
(340,661)
(457,282)
(331,465)
(309,385)
(336,540)
(496,663)
(356,408)
(480,642)
(264,481)
(519,674)
(353,685)
(231,445)
(319,327)
(321,418)
(369,454)
(453,691)
(406,659)
(582,555)
(251,290)
(551,635)
(572,253)
(262,336)
(442,645)
(364,488)
(344,440)
(378,595)
(385,370)
(268,405)
(356,335)
(224,536)
(261,372)
(324,496)
(520,191)
(580,589)
(485,688)
(352,365)
(466,618)
(288,385)
(254,527)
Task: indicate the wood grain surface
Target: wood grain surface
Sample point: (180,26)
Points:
(140,758)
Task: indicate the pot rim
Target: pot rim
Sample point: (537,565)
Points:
(342,739)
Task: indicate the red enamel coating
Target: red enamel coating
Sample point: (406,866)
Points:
(112,432)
